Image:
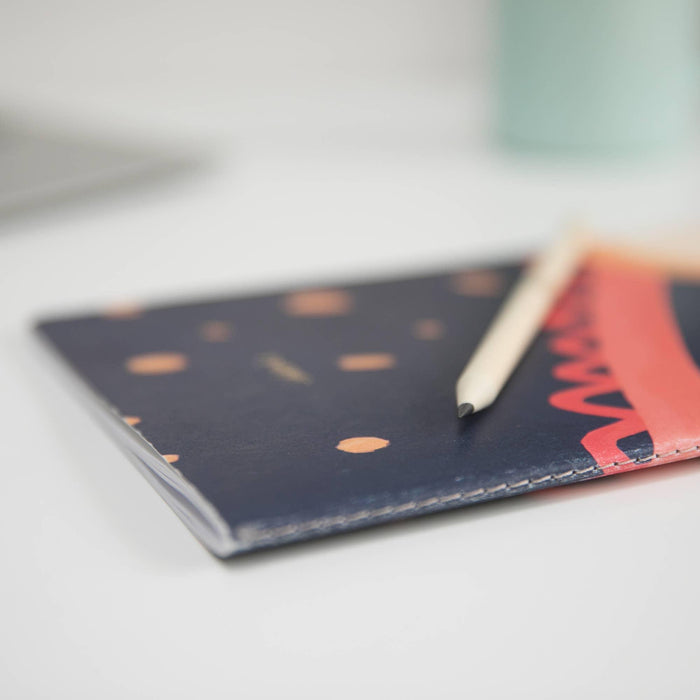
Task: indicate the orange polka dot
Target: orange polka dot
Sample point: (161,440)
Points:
(359,445)
(132,420)
(480,283)
(157,363)
(123,312)
(216,331)
(428,329)
(171,458)
(318,303)
(367,362)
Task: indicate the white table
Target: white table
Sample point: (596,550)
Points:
(579,592)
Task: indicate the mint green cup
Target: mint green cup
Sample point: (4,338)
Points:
(597,76)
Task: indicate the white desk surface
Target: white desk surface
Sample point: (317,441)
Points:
(579,592)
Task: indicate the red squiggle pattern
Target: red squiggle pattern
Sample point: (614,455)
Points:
(573,337)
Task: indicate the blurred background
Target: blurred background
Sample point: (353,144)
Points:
(148,148)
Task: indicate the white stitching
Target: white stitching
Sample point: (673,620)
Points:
(413,506)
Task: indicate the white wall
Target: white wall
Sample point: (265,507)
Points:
(103,49)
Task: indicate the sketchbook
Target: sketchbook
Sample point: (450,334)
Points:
(275,418)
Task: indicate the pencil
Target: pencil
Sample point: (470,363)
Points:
(516,325)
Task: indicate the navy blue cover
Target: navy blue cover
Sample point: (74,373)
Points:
(252,398)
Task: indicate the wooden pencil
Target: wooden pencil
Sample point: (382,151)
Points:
(517,323)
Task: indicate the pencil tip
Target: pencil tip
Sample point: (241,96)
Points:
(465,409)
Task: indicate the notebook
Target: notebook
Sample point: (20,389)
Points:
(269,419)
